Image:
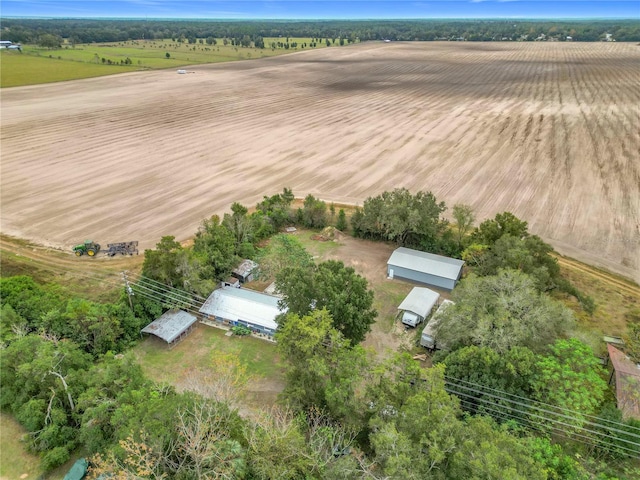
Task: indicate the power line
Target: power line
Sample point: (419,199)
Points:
(162,285)
(524,416)
(578,419)
(172,292)
(532,404)
(555,430)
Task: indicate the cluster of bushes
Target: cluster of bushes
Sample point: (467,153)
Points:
(343,413)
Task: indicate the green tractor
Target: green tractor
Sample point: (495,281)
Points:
(88,247)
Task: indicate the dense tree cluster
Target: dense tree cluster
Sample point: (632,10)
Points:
(344,412)
(331,32)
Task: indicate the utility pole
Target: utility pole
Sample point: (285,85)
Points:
(128,288)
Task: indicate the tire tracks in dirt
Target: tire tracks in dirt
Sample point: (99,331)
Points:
(625,286)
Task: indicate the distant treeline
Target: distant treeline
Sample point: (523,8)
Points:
(87,30)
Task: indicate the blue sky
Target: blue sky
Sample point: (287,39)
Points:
(304,9)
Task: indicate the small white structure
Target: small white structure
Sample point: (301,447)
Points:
(239,306)
(417,306)
(182,72)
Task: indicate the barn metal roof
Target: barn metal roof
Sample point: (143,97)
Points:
(424,262)
(420,300)
(627,382)
(170,325)
(243,304)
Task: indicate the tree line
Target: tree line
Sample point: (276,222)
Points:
(344,413)
(330,31)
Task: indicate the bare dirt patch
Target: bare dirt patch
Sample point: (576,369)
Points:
(369,259)
(546,131)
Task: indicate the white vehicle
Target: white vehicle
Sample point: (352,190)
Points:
(411,319)
(428,339)
(418,305)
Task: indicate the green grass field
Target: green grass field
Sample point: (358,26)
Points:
(198,351)
(24,69)
(15,461)
(40,65)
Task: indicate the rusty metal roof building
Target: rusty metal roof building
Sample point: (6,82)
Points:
(244,270)
(627,375)
(172,326)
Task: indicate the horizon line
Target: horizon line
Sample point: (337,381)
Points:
(51,17)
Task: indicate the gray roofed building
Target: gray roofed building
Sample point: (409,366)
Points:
(172,326)
(240,306)
(423,267)
(420,302)
(244,271)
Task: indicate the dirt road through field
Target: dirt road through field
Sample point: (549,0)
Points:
(546,131)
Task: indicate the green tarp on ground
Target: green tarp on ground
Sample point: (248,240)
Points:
(78,471)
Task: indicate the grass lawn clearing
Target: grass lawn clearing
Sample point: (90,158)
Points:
(198,352)
(21,69)
(15,461)
(36,65)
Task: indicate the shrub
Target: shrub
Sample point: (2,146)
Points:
(240,330)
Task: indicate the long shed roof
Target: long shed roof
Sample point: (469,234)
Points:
(627,382)
(243,304)
(420,301)
(425,262)
(170,325)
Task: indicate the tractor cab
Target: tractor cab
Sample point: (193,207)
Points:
(89,247)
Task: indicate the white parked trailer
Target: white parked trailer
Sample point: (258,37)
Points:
(428,338)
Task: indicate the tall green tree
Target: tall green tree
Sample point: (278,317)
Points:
(399,216)
(277,209)
(571,377)
(464,217)
(41,380)
(162,263)
(323,369)
(214,246)
(333,286)
(241,226)
(283,251)
(502,312)
(528,254)
(505,223)
(314,212)
(483,371)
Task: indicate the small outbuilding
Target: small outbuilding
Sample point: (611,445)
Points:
(244,272)
(423,267)
(172,326)
(231,282)
(240,306)
(627,382)
(417,306)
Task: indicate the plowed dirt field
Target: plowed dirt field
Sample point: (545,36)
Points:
(550,132)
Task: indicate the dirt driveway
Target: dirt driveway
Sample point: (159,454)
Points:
(369,259)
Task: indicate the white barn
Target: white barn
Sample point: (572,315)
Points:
(240,306)
(423,267)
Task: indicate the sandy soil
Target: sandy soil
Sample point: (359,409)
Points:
(547,131)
